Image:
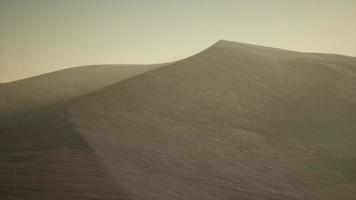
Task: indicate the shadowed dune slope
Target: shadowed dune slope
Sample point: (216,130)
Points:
(236,121)
(61,85)
(42,156)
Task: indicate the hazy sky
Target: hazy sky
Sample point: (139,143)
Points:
(38,36)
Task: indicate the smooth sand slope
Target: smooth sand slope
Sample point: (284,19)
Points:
(61,85)
(235,121)
(42,156)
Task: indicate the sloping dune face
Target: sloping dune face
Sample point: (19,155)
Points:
(61,85)
(42,156)
(236,121)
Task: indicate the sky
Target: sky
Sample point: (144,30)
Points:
(40,36)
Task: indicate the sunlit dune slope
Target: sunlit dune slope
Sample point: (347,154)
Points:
(236,121)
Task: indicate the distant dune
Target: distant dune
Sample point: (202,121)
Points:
(236,121)
(62,85)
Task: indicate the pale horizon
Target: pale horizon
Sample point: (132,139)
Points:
(38,37)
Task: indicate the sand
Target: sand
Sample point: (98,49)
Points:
(236,121)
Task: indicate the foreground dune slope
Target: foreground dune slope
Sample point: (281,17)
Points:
(236,121)
(42,156)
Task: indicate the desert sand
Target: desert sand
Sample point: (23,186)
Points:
(236,121)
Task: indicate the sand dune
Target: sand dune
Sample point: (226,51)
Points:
(236,121)
(61,85)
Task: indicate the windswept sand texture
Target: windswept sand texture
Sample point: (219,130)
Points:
(236,121)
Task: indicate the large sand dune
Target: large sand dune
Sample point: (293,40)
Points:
(236,121)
